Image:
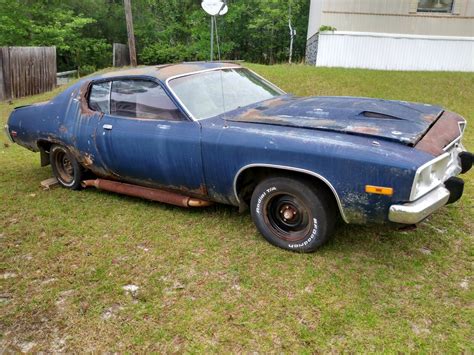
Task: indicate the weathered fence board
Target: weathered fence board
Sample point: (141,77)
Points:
(5,69)
(26,71)
(2,88)
(121,56)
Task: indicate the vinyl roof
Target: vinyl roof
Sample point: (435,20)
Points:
(166,71)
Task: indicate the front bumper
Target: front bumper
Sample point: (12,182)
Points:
(450,191)
(414,212)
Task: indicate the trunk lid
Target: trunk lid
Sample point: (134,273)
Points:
(399,121)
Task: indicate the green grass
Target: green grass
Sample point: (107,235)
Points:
(209,282)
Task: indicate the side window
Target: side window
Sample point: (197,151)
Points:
(142,99)
(99,97)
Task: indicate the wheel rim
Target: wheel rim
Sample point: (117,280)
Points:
(288,217)
(64,168)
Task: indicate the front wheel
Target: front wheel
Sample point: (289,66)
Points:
(292,214)
(66,169)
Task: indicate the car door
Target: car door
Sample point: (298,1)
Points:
(145,138)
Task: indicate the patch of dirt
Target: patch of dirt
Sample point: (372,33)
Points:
(8,275)
(132,290)
(425,251)
(421,328)
(111,312)
(61,303)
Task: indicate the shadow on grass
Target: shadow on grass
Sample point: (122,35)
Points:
(371,240)
(347,238)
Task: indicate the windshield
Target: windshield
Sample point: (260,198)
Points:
(212,93)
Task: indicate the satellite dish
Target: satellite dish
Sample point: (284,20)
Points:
(224,10)
(214,7)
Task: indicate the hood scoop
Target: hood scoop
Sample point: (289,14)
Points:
(371,114)
(399,121)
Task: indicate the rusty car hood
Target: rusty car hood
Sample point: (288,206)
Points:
(399,121)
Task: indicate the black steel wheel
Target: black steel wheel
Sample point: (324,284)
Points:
(292,214)
(66,169)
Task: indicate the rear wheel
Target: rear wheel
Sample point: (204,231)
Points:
(292,214)
(66,169)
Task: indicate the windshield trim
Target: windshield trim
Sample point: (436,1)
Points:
(176,97)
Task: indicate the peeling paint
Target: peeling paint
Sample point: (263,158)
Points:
(443,132)
(373,117)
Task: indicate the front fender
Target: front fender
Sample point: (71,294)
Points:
(344,162)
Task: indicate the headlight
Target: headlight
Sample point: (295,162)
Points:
(429,176)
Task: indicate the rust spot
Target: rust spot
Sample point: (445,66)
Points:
(147,193)
(255,115)
(88,161)
(178,69)
(251,114)
(443,132)
(200,191)
(163,72)
(274,102)
(63,129)
(144,70)
(83,92)
(429,118)
(365,129)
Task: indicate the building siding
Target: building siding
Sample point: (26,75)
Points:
(398,17)
(413,24)
(391,16)
(395,52)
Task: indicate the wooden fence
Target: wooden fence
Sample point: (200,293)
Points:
(121,55)
(26,71)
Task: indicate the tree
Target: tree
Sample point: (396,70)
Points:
(165,30)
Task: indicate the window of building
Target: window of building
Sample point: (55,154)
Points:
(443,6)
(142,99)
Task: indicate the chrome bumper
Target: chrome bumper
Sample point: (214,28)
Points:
(414,212)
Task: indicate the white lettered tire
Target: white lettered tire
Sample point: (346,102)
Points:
(293,214)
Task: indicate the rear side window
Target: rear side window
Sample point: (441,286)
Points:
(142,99)
(99,97)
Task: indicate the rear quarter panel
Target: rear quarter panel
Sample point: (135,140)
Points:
(44,121)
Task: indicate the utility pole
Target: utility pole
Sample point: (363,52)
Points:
(131,36)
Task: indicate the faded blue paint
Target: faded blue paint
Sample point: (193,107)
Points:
(399,121)
(203,158)
(347,162)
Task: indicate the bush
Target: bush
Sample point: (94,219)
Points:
(325,28)
(165,53)
(86,70)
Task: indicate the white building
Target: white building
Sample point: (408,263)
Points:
(392,34)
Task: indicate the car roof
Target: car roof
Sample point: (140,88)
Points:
(166,71)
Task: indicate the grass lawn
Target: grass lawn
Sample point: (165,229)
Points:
(209,282)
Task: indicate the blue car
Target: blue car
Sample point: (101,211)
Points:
(193,134)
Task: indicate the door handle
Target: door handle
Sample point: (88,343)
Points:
(108,127)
